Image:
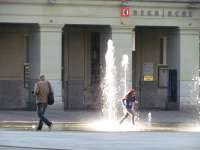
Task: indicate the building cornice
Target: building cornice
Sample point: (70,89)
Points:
(108,3)
(102,12)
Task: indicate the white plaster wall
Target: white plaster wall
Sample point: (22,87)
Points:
(189,53)
(50,57)
(189,62)
(50,52)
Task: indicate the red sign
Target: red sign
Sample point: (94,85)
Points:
(125,11)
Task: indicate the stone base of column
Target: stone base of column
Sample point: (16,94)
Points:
(188,96)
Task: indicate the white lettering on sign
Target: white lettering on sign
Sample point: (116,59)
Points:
(161,12)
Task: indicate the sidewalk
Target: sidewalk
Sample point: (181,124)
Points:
(82,120)
(29,139)
(84,116)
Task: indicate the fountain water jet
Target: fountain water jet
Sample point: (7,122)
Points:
(110,89)
(149,118)
(125,66)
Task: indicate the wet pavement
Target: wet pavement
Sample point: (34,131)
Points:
(94,121)
(162,121)
(103,127)
(87,116)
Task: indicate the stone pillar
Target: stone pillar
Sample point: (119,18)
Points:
(51,56)
(189,61)
(123,39)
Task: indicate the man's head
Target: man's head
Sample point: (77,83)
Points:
(42,77)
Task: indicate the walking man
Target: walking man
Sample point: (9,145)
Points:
(41,90)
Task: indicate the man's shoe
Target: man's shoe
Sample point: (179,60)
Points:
(50,126)
(38,129)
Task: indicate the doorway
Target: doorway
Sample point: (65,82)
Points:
(82,49)
(153,65)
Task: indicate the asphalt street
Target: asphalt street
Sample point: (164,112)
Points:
(70,140)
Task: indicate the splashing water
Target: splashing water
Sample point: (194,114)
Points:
(124,64)
(149,117)
(110,87)
(110,123)
(195,90)
(110,82)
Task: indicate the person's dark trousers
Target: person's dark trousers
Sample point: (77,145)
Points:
(123,118)
(40,112)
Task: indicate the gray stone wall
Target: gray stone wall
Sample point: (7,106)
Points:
(74,94)
(13,96)
(155,98)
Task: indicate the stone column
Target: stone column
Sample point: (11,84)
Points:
(51,56)
(123,38)
(189,62)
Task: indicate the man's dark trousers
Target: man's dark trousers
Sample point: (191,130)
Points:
(41,107)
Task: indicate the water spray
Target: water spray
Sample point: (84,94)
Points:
(124,64)
(109,89)
(196,84)
(149,117)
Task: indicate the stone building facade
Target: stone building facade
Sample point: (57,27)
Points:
(67,41)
